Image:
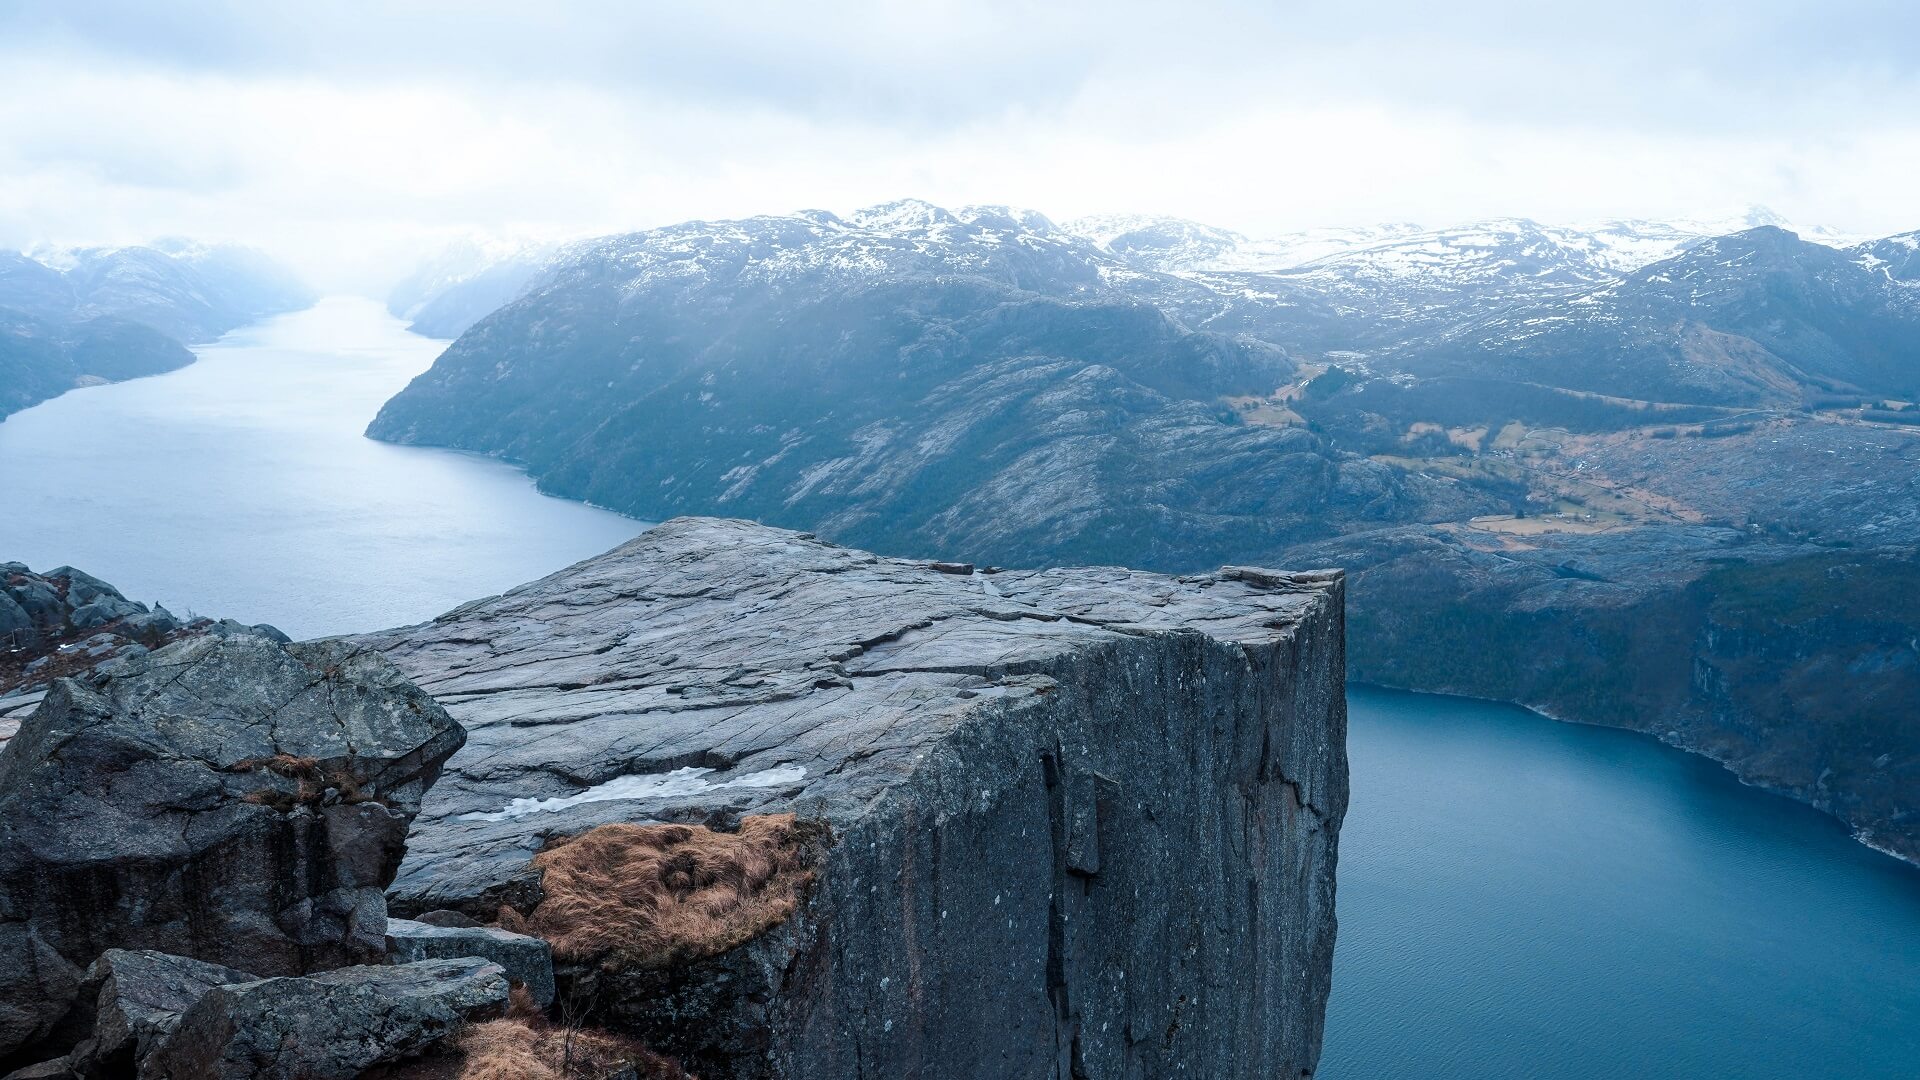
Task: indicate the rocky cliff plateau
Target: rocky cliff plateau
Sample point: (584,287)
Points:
(1083,822)
(936,820)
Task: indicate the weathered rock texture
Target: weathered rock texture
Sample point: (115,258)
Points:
(330,1026)
(135,1000)
(526,960)
(66,621)
(233,800)
(1083,822)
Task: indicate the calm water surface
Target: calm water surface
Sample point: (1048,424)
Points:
(1525,899)
(240,486)
(1518,898)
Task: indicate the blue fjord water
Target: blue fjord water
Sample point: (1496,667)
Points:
(241,487)
(1522,899)
(1518,898)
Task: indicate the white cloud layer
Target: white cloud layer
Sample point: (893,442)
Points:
(347,137)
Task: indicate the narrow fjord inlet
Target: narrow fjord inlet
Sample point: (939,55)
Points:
(240,485)
(1513,892)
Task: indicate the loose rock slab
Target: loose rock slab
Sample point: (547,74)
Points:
(526,960)
(137,998)
(330,1026)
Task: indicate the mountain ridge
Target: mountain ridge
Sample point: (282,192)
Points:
(1510,438)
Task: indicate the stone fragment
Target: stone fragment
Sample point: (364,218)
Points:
(333,1025)
(526,960)
(136,999)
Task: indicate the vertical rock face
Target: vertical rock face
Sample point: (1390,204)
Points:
(234,800)
(1083,823)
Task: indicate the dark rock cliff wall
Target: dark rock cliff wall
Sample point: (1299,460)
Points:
(1130,875)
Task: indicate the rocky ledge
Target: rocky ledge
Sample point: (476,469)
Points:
(66,622)
(990,824)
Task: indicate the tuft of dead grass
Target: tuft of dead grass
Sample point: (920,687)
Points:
(521,1050)
(313,782)
(524,1045)
(634,897)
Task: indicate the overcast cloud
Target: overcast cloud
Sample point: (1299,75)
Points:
(348,137)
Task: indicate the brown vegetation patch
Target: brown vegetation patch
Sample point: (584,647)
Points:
(524,1045)
(313,780)
(651,896)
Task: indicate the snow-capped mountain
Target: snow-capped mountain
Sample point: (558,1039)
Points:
(1897,257)
(1596,249)
(1493,297)
(1017,248)
(190,291)
(963,379)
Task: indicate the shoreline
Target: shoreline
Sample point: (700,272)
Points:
(1860,834)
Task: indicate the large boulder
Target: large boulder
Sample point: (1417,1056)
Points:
(235,799)
(330,1026)
(135,999)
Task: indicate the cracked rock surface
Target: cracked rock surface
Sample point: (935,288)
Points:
(234,800)
(136,998)
(1084,821)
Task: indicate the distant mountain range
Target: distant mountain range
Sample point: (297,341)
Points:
(1644,474)
(465,282)
(71,318)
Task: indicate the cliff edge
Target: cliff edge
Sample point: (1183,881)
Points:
(1063,823)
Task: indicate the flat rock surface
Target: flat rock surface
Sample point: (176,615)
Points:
(714,667)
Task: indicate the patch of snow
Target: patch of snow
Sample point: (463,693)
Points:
(680,783)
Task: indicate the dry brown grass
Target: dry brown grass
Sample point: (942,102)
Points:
(650,896)
(311,780)
(522,1050)
(525,1046)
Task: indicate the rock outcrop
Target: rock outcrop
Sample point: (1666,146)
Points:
(526,960)
(235,800)
(1073,822)
(334,1025)
(66,621)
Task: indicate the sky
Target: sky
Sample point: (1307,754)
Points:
(350,138)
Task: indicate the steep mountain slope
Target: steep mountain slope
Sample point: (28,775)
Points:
(41,359)
(1792,664)
(908,378)
(190,292)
